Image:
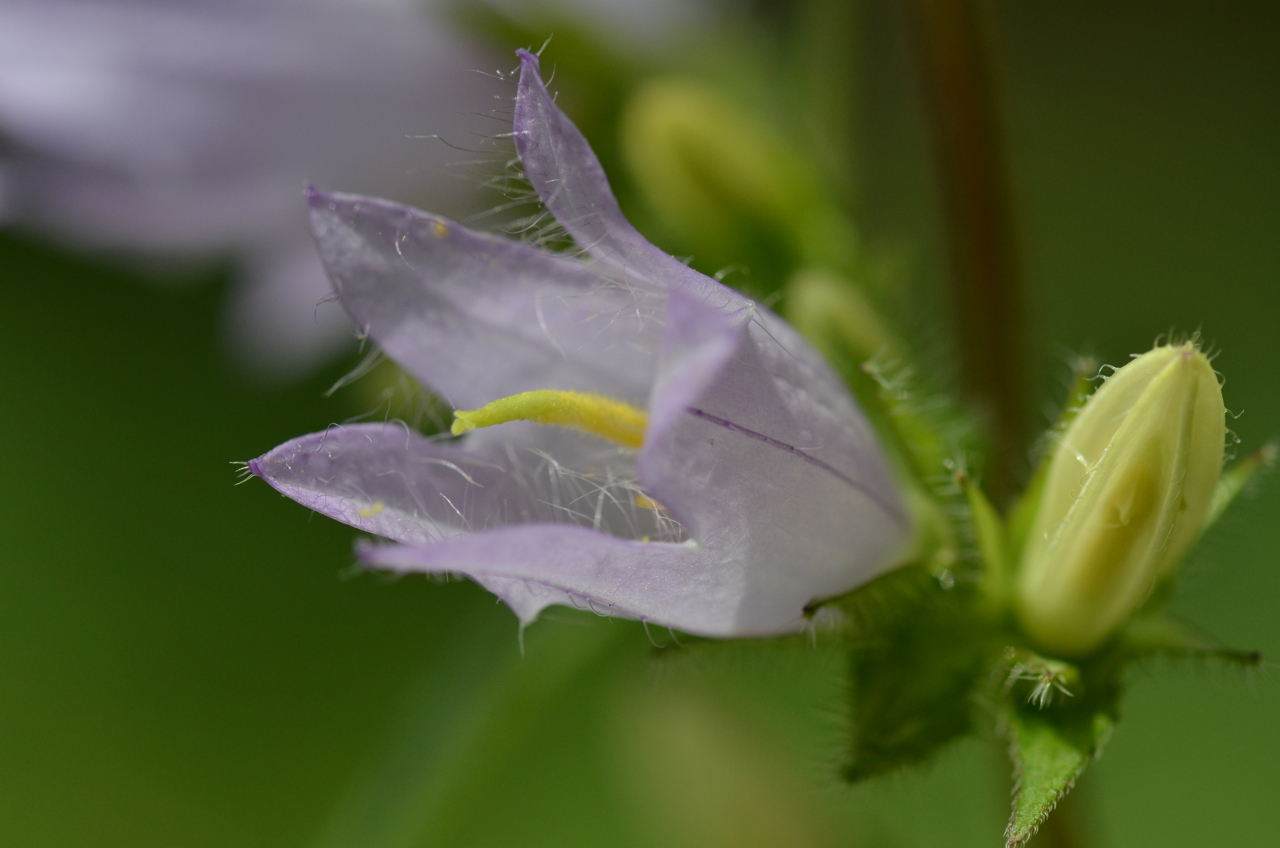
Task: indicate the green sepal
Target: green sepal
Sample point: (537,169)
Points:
(1023,513)
(1235,478)
(917,449)
(1050,750)
(911,691)
(884,606)
(1157,634)
(1233,482)
(989,530)
(921,443)
(921,447)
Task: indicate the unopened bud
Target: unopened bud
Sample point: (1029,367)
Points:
(838,318)
(1128,491)
(725,184)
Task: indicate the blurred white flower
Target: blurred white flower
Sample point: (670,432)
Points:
(188,128)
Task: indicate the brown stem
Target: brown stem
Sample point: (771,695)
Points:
(951,44)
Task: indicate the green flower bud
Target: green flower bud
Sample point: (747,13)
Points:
(726,185)
(838,318)
(1128,491)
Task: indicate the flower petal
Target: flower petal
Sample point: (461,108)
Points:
(679,585)
(790,486)
(380,478)
(477,317)
(567,176)
(385,479)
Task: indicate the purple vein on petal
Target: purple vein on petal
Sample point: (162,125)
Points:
(888,508)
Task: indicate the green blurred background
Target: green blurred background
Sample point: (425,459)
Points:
(188,663)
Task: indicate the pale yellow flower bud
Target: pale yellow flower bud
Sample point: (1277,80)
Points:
(1128,491)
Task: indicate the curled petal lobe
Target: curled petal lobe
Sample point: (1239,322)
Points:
(791,525)
(697,343)
(568,178)
(477,317)
(678,585)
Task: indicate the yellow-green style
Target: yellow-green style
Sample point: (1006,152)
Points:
(1128,492)
(596,414)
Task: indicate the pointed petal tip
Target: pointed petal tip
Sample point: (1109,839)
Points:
(529,62)
(316,196)
(529,91)
(255,466)
(530,78)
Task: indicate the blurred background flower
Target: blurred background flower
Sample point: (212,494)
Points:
(181,664)
(186,130)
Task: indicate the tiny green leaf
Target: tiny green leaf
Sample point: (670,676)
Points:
(1050,750)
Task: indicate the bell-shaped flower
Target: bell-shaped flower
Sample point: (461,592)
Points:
(1128,491)
(709,471)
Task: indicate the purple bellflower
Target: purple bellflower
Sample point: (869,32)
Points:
(714,475)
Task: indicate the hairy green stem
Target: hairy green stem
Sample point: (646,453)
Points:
(951,45)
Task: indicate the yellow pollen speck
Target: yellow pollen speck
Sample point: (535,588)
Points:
(369,511)
(438,229)
(592,413)
(649,503)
